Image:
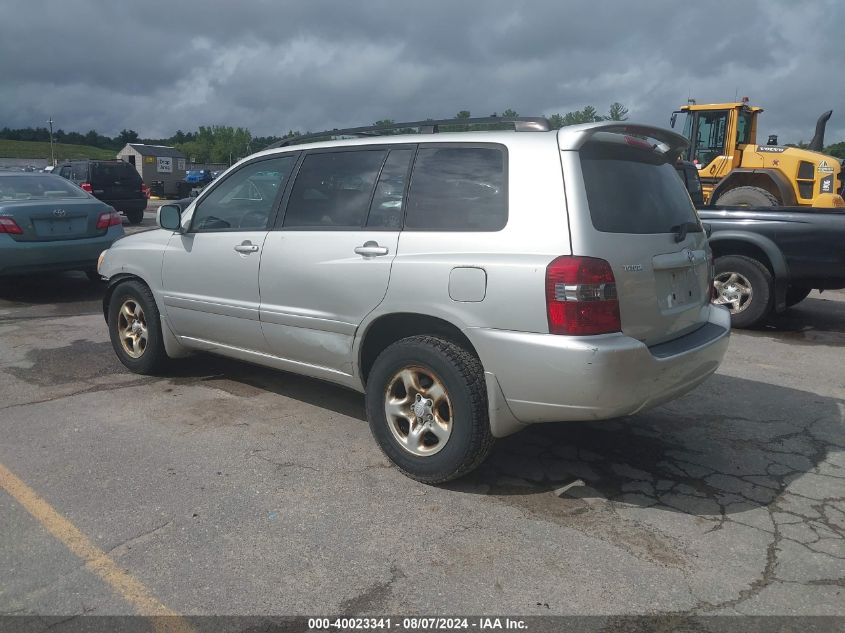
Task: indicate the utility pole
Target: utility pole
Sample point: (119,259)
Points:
(52,156)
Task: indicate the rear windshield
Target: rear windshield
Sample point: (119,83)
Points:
(631,190)
(114,172)
(37,188)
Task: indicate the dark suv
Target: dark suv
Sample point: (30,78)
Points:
(115,182)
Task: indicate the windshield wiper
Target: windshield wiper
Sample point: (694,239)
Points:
(681,230)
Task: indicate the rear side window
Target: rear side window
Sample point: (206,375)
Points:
(333,190)
(458,189)
(386,210)
(631,190)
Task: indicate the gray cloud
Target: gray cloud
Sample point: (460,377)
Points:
(157,66)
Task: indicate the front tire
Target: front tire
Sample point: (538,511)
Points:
(427,408)
(135,328)
(745,287)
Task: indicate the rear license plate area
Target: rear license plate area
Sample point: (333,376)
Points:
(59,227)
(677,288)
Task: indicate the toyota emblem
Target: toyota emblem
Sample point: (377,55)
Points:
(59,213)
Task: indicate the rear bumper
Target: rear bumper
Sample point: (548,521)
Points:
(545,378)
(128,205)
(19,258)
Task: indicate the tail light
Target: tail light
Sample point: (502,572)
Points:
(8,225)
(107,219)
(86,186)
(581,296)
(145,190)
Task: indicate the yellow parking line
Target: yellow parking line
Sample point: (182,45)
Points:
(96,560)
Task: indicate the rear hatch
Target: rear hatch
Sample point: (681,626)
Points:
(47,208)
(641,220)
(115,180)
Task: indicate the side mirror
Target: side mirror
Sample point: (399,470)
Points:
(169,217)
(708,230)
(673,118)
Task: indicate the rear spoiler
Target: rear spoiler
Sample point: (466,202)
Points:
(574,137)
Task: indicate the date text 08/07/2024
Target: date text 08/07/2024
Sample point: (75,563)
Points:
(416,624)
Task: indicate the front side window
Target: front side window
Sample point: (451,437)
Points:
(457,189)
(333,190)
(246,199)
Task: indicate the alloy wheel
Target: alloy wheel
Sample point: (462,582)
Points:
(734,291)
(418,411)
(132,328)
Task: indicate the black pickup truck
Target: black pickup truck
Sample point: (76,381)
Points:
(770,258)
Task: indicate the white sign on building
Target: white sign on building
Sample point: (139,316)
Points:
(165,165)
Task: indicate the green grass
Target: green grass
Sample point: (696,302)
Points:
(41,149)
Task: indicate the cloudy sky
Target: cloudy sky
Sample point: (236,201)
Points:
(156,66)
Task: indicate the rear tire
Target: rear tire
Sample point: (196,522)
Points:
(745,287)
(796,294)
(438,427)
(135,328)
(135,217)
(748,197)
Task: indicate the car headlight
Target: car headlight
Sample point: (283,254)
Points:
(100,260)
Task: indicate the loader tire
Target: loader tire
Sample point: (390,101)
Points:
(748,197)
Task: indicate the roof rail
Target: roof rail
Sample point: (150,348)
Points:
(431,126)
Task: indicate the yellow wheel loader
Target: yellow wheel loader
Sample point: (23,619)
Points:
(736,170)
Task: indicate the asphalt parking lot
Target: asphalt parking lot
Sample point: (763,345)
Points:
(223,488)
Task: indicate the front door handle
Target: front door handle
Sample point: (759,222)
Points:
(371,249)
(246,247)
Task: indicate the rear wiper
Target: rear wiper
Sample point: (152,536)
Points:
(681,230)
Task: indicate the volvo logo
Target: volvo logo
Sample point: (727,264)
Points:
(59,213)
(691,256)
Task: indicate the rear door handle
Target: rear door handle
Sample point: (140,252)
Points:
(246,247)
(371,249)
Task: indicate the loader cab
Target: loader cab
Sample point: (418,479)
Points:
(717,134)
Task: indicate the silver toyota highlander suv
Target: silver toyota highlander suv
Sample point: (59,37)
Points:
(470,284)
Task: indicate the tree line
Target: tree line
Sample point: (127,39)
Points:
(225,144)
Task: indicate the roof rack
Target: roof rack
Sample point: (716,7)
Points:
(431,126)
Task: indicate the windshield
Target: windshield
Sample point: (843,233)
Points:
(40,187)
